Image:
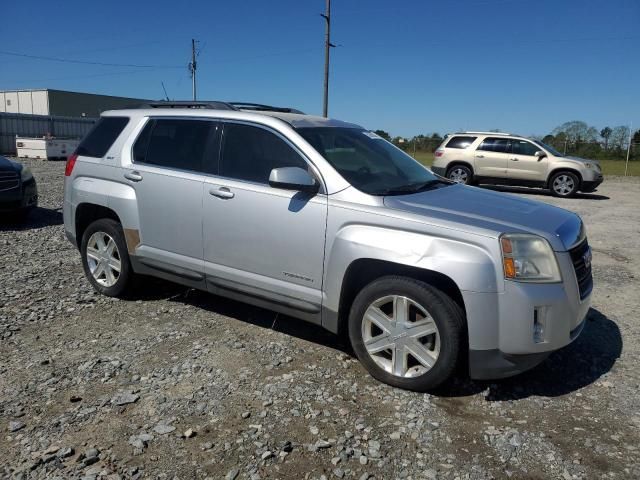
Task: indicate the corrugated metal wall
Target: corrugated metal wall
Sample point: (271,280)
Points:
(24,125)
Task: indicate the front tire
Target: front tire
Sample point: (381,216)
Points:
(460,174)
(105,258)
(564,184)
(406,333)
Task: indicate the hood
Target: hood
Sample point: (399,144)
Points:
(578,159)
(8,165)
(494,212)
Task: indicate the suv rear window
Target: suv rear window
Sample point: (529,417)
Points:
(460,142)
(101,137)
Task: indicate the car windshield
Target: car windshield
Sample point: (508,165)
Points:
(370,163)
(553,151)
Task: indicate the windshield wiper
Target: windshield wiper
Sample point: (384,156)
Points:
(414,187)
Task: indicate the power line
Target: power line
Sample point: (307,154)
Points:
(83,62)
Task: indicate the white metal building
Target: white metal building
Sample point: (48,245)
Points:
(62,103)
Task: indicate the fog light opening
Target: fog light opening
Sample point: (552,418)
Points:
(539,324)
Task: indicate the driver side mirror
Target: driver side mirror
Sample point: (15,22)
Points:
(293,178)
(540,154)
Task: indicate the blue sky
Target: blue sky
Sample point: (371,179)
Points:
(407,67)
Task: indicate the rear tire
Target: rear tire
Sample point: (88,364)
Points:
(460,174)
(416,350)
(564,184)
(105,258)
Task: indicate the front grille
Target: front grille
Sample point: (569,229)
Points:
(581,258)
(9,180)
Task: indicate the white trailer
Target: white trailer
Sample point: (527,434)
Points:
(45,148)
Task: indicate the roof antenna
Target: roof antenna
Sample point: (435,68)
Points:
(165,91)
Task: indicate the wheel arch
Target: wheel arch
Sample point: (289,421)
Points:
(464,163)
(363,271)
(87,213)
(561,169)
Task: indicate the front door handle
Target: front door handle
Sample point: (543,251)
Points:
(133,176)
(222,192)
(513,159)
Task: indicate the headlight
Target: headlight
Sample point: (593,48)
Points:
(589,165)
(25,174)
(528,258)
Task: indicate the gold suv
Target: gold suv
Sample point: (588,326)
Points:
(505,159)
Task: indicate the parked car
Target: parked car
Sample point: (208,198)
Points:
(505,159)
(327,222)
(18,190)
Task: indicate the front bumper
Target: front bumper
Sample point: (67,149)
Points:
(512,331)
(591,185)
(23,197)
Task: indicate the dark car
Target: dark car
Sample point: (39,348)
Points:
(18,190)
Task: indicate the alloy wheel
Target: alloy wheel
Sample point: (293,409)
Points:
(400,336)
(563,185)
(103,258)
(459,175)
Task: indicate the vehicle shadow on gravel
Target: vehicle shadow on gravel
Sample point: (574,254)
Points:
(576,366)
(156,289)
(544,193)
(38,218)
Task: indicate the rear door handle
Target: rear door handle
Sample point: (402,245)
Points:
(222,192)
(513,159)
(479,156)
(133,176)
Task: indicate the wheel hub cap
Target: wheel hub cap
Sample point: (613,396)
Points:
(103,258)
(563,185)
(401,336)
(458,175)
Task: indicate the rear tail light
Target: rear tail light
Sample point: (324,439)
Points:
(71,162)
(439,153)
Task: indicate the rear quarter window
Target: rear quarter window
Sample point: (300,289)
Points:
(460,142)
(101,137)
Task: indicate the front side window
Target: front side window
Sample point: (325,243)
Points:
(460,142)
(250,153)
(522,147)
(368,162)
(176,143)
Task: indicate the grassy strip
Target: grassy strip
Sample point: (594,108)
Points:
(609,167)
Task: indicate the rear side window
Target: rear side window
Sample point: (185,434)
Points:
(176,143)
(460,142)
(491,144)
(250,153)
(101,137)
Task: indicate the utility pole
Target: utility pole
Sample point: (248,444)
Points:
(626,165)
(327,46)
(192,67)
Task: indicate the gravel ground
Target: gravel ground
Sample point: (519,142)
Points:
(181,384)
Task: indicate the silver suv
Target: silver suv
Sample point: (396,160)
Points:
(505,159)
(329,223)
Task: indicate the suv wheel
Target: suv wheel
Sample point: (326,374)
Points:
(460,174)
(406,333)
(564,184)
(105,258)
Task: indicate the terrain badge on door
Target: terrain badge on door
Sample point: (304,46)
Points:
(299,277)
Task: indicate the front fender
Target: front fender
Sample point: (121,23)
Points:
(468,263)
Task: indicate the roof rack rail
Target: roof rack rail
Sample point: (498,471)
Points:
(487,133)
(212,104)
(263,108)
